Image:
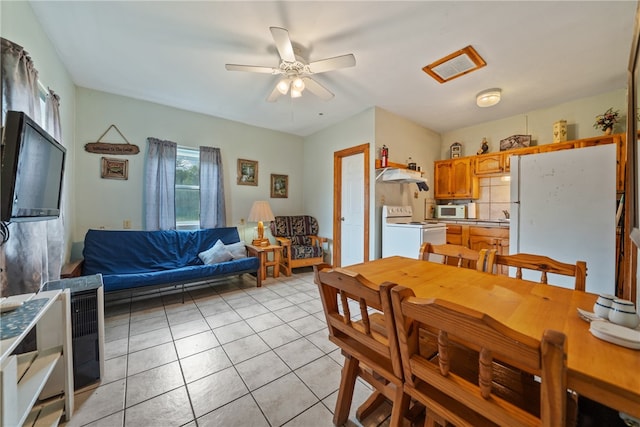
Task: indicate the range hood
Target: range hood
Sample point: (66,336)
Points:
(400,176)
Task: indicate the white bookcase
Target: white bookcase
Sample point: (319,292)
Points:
(36,388)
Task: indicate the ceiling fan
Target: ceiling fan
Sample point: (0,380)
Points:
(296,73)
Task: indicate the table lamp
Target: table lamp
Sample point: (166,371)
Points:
(260,211)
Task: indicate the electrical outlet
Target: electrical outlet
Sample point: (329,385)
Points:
(126,224)
(382,200)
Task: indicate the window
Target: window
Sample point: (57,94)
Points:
(187,188)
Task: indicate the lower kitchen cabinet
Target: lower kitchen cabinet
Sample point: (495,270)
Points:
(490,238)
(480,237)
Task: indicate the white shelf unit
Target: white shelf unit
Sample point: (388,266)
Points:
(36,388)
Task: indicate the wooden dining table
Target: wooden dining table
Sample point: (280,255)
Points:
(602,371)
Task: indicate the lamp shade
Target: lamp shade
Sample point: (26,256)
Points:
(261,211)
(488,98)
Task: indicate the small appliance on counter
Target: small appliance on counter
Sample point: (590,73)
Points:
(451,211)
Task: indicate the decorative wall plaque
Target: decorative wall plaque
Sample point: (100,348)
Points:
(110,147)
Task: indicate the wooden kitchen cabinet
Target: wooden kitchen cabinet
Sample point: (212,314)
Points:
(479,237)
(490,164)
(454,179)
(490,238)
(454,235)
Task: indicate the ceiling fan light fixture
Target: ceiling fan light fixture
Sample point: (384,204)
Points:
(488,98)
(298,84)
(295,93)
(283,86)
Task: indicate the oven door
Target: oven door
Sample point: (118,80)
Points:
(405,240)
(435,236)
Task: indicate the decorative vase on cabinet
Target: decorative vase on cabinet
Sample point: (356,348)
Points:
(560,131)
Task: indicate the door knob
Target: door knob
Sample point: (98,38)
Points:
(341,218)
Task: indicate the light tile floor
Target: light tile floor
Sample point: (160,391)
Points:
(231,355)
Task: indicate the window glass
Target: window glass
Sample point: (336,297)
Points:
(187,188)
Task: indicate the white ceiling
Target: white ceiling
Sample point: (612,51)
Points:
(539,53)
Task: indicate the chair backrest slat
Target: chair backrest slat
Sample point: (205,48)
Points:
(356,331)
(481,260)
(544,265)
(448,389)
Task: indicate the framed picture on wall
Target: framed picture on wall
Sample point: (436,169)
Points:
(114,168)
(515,141)
(247,172)
(279,186)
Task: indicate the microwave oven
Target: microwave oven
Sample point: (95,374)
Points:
(451,211)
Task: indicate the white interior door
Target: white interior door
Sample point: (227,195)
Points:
(352,251)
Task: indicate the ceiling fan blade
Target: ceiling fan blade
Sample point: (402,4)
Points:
(334,63)
(283,43)
(251,68)
(317,89)
(275,93)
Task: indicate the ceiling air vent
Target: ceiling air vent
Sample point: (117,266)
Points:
(455,65)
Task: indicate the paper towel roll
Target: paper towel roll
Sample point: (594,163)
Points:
(471,210)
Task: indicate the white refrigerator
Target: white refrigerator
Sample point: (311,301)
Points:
(563,205)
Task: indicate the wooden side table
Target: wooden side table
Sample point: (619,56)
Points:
(262,253)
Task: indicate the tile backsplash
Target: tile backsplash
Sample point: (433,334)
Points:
(494,197)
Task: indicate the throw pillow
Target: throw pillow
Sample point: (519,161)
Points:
(237,250)
(217,253)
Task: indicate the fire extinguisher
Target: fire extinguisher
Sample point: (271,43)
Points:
(384,154)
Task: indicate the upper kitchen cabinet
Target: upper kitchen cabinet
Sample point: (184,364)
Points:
(454,179)
(489,164)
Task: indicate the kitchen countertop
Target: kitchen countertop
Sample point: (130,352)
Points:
(480,222)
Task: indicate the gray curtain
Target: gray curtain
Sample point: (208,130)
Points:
(55,227)
(25,258)
(159,185)
(212,208)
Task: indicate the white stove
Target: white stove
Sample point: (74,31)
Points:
(403,236)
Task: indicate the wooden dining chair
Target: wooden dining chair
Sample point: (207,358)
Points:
(360,322)
(453,397)
(544,265)
(461,256)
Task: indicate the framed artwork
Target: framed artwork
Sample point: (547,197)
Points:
(114,168)
(279,186)
(247,172)
(515,141)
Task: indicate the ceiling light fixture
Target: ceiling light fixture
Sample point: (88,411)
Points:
(488,98)
(283,86)
(297,86)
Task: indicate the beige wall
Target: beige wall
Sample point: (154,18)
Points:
(18,24)
(318,168)
(107,203)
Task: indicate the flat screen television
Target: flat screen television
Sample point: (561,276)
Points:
(31,172)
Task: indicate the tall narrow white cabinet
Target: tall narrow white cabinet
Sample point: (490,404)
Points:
(36,388)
